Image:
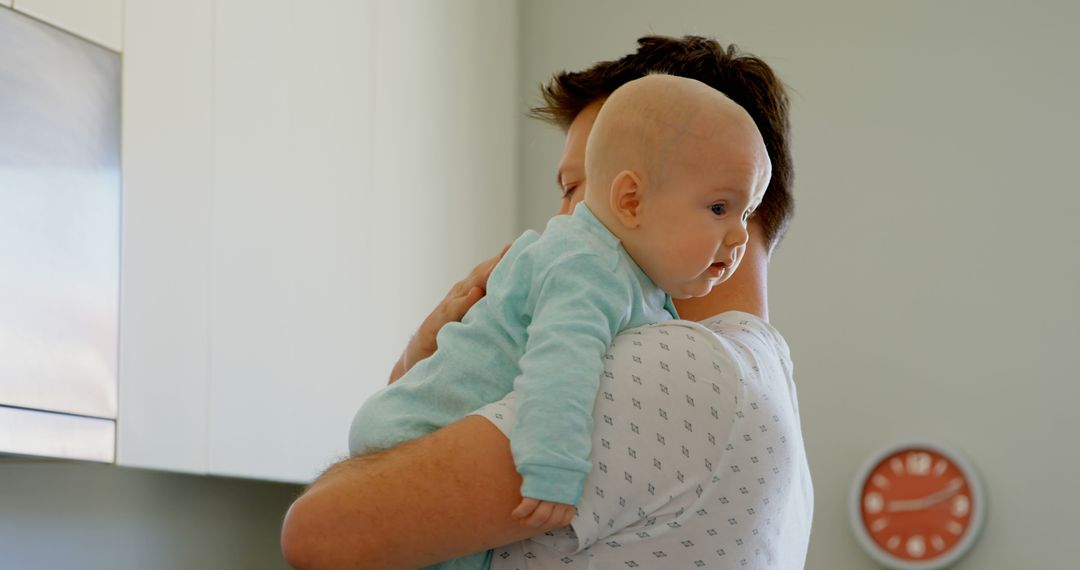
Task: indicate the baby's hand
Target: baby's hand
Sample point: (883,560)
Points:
(537,514)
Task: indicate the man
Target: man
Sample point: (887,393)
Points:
(735,493)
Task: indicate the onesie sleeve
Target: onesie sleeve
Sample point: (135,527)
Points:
(579,306)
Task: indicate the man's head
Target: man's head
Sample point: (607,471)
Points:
(745,79)
(675,169)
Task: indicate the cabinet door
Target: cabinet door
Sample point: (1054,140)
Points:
(289,279)
(100,21)
(167,155)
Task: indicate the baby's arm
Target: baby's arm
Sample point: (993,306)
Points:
(461,297)
(578,307)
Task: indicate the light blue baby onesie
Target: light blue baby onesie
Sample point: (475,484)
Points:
(553,307)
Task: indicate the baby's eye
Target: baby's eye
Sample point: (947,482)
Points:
(568,192)
(719,209)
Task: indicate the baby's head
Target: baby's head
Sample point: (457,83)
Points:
(675,168)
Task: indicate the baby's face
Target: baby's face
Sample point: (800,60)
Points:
(693,227)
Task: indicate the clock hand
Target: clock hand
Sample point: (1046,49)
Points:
(951,489)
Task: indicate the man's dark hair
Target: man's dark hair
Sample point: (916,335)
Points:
(745,79)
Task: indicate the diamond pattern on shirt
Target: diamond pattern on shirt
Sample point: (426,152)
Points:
(698,457)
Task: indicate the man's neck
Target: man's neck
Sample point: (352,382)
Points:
(746,290)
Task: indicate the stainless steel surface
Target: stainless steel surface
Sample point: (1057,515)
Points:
(30,432)
(59,222)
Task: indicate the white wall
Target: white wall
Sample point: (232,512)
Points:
(929,285)
(100,517)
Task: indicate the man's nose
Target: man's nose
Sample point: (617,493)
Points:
(566,207)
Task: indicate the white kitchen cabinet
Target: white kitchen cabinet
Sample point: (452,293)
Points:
(100,21)
(292,176)
(302,185)
(167,157)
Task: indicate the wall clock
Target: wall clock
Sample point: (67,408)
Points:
(917,506)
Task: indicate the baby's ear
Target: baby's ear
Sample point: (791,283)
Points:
(626,198)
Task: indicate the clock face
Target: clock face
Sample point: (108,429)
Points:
(917,506)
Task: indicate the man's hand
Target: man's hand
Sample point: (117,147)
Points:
(535,513)
(462,296)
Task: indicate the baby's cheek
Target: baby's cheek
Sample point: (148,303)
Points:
(738,253)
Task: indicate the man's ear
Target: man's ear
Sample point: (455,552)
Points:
(626,198)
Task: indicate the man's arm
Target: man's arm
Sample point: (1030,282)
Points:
(442,496)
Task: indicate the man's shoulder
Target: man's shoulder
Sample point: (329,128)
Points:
(745,327)
(733,336)
(730,325)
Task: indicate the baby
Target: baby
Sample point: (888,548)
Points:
(673,168)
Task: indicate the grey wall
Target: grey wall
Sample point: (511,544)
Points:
(58,515)
(929,285)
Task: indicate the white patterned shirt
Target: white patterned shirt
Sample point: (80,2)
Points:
(698,456)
